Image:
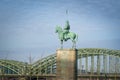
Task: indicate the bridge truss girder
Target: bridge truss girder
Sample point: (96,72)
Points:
(47,65)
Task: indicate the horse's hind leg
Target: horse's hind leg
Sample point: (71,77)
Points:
(61,44)
(74,44)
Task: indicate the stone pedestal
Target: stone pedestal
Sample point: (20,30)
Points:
(66,64)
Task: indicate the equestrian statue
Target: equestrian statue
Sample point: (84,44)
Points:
(64,34)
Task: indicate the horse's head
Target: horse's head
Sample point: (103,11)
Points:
(58,29)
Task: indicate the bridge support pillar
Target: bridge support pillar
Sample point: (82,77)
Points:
(66,64)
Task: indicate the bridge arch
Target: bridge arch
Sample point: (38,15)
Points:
(11,67)
(47,65)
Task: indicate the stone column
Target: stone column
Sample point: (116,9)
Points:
(66,64)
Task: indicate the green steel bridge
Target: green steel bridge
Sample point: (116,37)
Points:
(92,62)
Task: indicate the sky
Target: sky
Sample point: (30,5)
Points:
(27,27)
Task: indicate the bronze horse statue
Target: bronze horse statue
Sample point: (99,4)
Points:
(66,36)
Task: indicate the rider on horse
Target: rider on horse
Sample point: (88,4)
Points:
(65,34)
(66,30)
